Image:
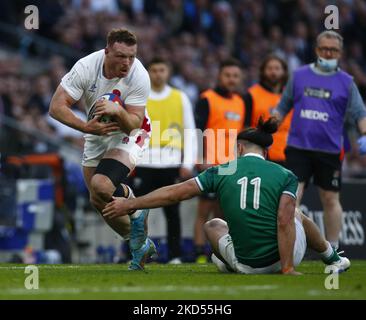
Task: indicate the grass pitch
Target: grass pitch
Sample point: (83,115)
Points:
(186,281)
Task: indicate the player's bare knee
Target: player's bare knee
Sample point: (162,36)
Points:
(215,223)
(329,198)
(100,186)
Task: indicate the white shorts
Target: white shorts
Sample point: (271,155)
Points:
(226,249)
(96,146)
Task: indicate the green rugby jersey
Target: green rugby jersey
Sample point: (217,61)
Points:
(249,199)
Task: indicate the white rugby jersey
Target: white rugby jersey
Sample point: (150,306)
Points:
(86,80)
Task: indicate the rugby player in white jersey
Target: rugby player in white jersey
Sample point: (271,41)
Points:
(111,149)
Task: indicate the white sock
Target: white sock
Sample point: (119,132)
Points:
(334,244)
(136,214)
(327,253)
(130,192)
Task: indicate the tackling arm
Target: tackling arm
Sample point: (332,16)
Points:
(159,198)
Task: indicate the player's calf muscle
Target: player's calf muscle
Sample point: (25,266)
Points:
(97,203)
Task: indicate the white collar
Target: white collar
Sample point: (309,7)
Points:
(252,154)
(160,95)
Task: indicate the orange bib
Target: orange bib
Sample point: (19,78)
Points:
(226,120)
(263,103)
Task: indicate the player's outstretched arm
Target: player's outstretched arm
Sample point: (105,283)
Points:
(159,198)
(286,233)
(60,110)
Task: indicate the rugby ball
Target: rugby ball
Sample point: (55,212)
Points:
(111,97)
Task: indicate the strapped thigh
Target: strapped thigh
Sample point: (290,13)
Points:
(116,171)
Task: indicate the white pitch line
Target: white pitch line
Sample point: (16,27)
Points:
(138,289)
(315,293)
(42,267)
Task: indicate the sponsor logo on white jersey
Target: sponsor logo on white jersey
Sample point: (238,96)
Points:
(92,88)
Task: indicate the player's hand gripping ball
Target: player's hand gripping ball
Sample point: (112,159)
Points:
(107,116)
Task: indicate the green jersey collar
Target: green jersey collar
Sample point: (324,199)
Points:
(252,154)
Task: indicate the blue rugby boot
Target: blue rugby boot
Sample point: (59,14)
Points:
(140,256)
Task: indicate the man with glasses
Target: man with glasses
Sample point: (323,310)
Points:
(323,97)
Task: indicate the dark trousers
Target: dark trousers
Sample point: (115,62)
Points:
(147,180)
